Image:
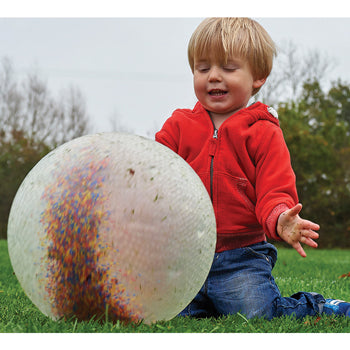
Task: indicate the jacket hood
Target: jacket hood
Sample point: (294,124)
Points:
(253,113)
(262,112)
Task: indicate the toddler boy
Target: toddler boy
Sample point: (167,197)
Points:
(240,155)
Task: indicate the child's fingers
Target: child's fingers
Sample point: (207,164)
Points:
(295,210)
(306,237)
(299,249)
(309,225)
(309,234)
(310,242)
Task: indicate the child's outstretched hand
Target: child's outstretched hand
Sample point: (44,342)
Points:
(294,230)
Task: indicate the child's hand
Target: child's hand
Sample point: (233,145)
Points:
(294,230)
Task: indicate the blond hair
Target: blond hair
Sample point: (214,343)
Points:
(240,37)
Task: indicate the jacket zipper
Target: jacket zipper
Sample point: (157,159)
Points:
(215,136)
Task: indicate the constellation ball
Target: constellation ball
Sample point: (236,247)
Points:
(112,225)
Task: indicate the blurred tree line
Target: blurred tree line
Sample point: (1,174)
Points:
(316,128)
(316,125)
(315,121)
(32,123)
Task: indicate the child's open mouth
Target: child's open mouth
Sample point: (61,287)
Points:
(217,92)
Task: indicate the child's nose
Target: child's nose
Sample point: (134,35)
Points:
(214,74)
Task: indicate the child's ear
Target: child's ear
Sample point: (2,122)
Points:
(258,83)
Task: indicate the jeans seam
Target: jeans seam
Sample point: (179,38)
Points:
(206,287)
(265,257)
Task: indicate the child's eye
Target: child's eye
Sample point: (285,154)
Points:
(202,69)
(230,68)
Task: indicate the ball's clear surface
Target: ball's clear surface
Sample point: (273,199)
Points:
(112,224)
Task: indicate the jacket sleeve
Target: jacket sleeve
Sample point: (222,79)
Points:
(275,178)
(169,135)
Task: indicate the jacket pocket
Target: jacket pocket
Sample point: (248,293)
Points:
(235,210)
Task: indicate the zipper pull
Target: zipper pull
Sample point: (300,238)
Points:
(213,142)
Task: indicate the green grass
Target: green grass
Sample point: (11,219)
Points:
(319,272)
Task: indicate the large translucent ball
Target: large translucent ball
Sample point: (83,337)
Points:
(112,225)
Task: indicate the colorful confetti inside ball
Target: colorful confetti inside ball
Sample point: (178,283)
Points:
(112,226)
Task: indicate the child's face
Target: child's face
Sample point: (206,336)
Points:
(223,88)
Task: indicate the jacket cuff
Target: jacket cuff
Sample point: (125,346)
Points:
(271,222)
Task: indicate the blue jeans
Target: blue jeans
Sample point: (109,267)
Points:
(240,280)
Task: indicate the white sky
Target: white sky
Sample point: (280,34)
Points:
(135,67)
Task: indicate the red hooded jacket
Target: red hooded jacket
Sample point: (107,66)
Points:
(245,167)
